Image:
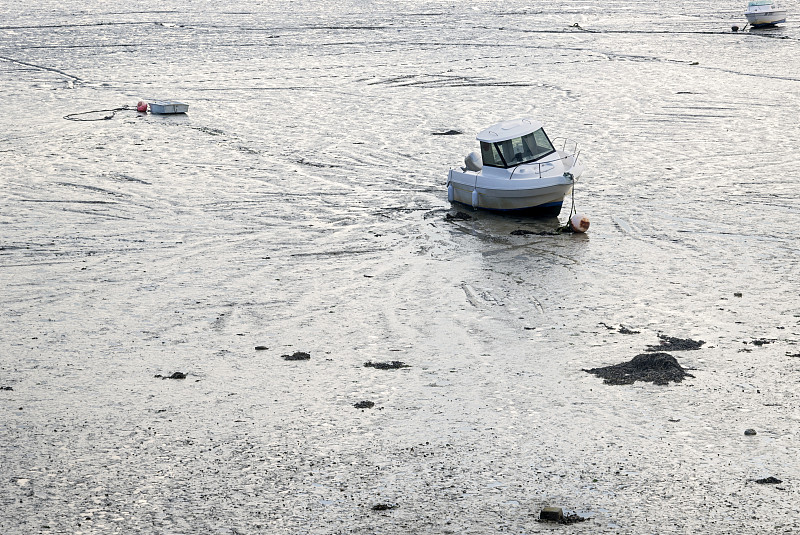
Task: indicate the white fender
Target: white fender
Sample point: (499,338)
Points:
(474,198)
(450,192)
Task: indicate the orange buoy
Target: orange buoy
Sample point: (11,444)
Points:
(142,106)
(579,223)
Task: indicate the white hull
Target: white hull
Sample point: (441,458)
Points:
(518,192)
(767,18)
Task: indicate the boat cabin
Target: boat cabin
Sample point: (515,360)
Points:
(512,143)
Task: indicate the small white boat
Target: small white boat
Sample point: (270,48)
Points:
(519,169)
(761,13)
(168,106)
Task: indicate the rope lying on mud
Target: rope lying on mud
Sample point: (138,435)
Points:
(74,116)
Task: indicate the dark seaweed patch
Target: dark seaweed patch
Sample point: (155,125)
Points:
(523,232)
(461,216)
(657,368)
(393,365)
(769,481)
(670,343)
(175,375)
(297,355)
(384,506)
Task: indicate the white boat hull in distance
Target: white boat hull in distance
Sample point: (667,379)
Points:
(766,19)
(165,107)
(535,192)
(762,13)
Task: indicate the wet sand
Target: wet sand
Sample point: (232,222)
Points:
(299,207)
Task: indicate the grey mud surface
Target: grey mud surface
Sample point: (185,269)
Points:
(300,207)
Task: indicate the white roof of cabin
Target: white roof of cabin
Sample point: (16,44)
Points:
(509,130)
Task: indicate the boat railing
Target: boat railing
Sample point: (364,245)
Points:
(569,148)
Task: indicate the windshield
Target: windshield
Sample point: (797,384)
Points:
(512,152)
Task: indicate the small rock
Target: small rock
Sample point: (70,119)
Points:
(737,294)
(769,481)
(298,355)
(364,404)
(261,348)
(384,506)
(7,388)
(551,514)
(749,432)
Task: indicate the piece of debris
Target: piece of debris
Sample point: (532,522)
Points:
(448,133)
(261,348)
(551,514)
(769,481)
(461,216)
(670,343)
(297,355)
(176,375)
(393,365)
(364,404)
(384,506)
(749,432)
(657,368)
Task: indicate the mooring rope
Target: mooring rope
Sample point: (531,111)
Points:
(74,116)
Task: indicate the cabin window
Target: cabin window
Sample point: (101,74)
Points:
(516,151)
(490,156)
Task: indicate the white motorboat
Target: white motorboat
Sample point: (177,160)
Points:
(518,169)
(761,13)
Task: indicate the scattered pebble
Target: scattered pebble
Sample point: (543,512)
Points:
(298,355)
(769,481)
(657,368)
(364,404)
(669,343)
(393,365)
(749,432)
